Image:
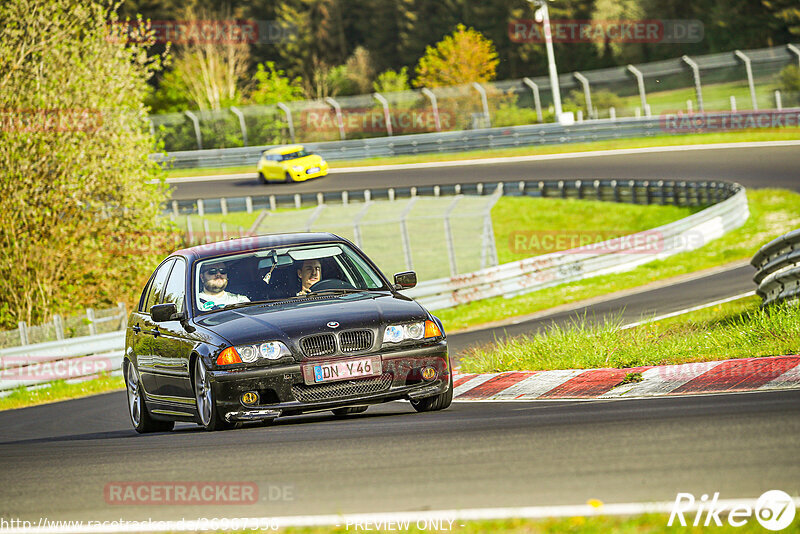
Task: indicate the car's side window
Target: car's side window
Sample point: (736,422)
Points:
(143,298)
(175,291)
(157,286)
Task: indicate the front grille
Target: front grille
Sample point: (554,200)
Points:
(319,345)
(338,390)
(355,340)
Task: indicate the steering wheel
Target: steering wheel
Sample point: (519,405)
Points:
(331,283)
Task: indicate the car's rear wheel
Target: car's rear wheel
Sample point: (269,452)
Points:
(341,412)
(262,178)
(208,414)
(137,407)
(437,402)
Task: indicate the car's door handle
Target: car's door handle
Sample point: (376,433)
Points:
(136,329)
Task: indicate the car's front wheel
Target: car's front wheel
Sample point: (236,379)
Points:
(137,407)
(262,178)
(208,414)
(288,178)
(437,402)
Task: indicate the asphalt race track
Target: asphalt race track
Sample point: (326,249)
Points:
(751,167)
(58,460)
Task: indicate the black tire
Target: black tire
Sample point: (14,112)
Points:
(288,178)
(140,416)
(437,402)
(341,412)
(208,416)
(262,178)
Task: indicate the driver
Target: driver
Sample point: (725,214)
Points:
(214,278)
(309,273)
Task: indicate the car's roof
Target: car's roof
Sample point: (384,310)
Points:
(246,244)
(287,149)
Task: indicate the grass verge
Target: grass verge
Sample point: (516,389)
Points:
(738,329)
(779,134)
(641,524)
(60,390)
(773,212)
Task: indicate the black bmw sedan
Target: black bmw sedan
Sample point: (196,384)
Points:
(256,328)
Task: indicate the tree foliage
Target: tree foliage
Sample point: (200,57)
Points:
(273,86)
(392,81)
(465,56)
(79,197)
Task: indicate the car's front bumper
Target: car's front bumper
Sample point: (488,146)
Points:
(283,391)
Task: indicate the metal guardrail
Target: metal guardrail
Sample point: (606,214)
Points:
(617,255)
(778,269)
(460,141)
(68,359)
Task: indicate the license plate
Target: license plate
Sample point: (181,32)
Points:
(312,170)
(329,372)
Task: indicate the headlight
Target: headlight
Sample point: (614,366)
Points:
(402,332)
(298,168)
(271,350)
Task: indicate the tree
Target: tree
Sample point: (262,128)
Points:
(463,57)
(272,86)
(392,81)
(79,196)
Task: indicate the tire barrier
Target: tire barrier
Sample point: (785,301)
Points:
(778,269)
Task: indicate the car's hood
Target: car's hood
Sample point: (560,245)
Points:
(294,319)
(305,162)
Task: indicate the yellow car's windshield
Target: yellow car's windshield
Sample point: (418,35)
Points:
(295,155)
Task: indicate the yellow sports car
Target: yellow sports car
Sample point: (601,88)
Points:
(291,163)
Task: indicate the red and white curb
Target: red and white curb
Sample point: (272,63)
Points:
(746,374)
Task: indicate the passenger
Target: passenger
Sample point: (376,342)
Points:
(214,278)
(309,273)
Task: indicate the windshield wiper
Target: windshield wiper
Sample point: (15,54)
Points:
(334,291)
(253,303)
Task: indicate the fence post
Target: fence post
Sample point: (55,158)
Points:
(357,224)
(778,103)
(478,87)
(23,333)
(206,231)
(123,323)
(697,85)
(92,325)
(338,109)
(536,100)
(448,235)
(201,207)
(796,51)
(242,125)
(196,123)
(733,103)
(434,106)
(640,82)
(612,113)
(749,70)
(288,112)
(406,242)
(587,94)
(58,324)
(387,116)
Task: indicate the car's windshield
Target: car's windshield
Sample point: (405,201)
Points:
(295,155)
(281,273)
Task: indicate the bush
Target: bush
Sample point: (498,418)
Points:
(789,85)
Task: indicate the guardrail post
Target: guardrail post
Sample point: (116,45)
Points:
(457,189)
(612,113)
(632,185)
(796,51)
(562,190)
(320,199)
(196,123)
(778,103)
(273,205)
(749,70)
(242,125)
(391,194)
(448,235)
(23,333)
(579,187)
(206,231)
(597,192)
(338,109)
(662,192)
(367,195)
(640,82)
(92,325)
(521,187)
(345,198)
(223,205)
(289,122)
(434,107)
(175,208)
(485,103)
(697,86)
(201,209)
(479,188)
(387,116)
(587,94)
(537,102)
(248,204)
(615,190)
(297,201)
(58,324)
(542,191)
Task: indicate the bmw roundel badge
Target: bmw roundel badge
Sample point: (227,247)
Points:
(333,324)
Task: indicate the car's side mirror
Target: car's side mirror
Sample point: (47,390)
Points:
(164,312)
(405,280)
